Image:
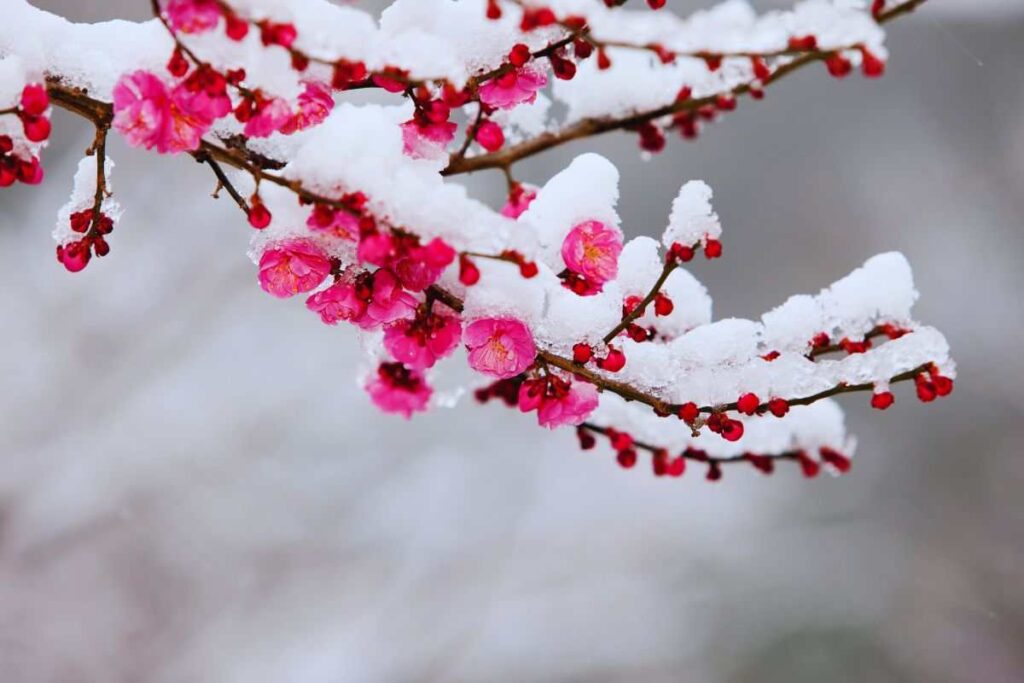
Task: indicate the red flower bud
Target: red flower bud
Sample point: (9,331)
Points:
(688,412)
(732,430)
(778,407)
(259,215)
(882,400)
(748,403)
(34,99)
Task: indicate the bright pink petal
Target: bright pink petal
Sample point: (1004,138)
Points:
(292,267)
(592,250)
(500,347)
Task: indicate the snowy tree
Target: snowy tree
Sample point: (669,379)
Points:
(354,205)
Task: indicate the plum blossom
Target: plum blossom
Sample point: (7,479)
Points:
(151,116)
(421,342)
(570,409)
(421,266)
(292,267)
(314,104)
(388,301)
(192,16)
(395,388)
(426,140)
(416,266)
(558,401)
(340,301)
(500,347)
(270,116)
(519,200)
(204,93)
(338,223)
(591,249)
(513,88)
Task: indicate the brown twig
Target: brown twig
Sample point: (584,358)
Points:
(638,310)
(597,125)
(223,181)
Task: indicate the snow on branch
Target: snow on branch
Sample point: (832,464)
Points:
(351,208)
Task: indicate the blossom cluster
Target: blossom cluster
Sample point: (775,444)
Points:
(552,306)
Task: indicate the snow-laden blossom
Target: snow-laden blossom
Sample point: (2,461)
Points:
(151,116)
(270,116)
(571,409)
(500,347)
(314,104)
(204,94)
(340,301)
(388,301)
(421,342)
(592,249)
(292,267)
(421,266)
(192,16)
(558,401)
(426,140)
(335,222)
(416,265)
(394,388)
(516,87)
(519,201)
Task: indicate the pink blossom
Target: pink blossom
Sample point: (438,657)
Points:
(513,88)
(338,223)
(568,407)
(421,342)
(269,117)
(377,248)
(398,389)
(203,94)
(388,301)
(292,267)
(426,141)
(314,104)
(519,200)
(592,249)
(421,266)
(192,16)
(531,394)
(501,347)
(340,301)
(416,266)
(149,116)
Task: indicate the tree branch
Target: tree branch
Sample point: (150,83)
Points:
(595,126)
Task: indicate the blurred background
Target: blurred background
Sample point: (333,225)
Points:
(193,488)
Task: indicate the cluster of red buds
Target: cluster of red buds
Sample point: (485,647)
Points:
(32,112)
(664,464)
(94,228)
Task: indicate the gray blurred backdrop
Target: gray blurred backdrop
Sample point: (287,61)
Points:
(192,488)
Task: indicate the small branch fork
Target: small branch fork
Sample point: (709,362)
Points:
(641,308)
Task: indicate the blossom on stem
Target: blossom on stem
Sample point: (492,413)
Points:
(591,250)
(292,267)
(515,87)
(500,347)
(395,388)
(151,116)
